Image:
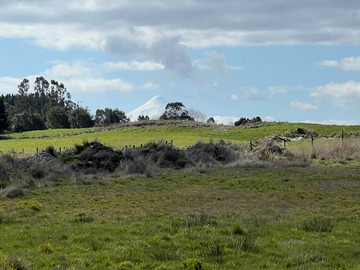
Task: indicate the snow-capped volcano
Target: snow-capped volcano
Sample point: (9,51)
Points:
(153,108)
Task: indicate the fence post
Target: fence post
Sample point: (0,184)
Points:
(37,150)
(312,141)
(342,137)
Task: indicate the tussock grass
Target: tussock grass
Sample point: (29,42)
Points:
(318,224)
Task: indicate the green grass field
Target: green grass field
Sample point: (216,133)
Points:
(30,142)
(214,217)
(221,218)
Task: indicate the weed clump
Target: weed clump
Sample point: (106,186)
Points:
(214,251)
(318,224)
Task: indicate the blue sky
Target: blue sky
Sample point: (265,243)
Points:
(282,60)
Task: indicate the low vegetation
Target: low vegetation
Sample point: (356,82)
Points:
(213,204)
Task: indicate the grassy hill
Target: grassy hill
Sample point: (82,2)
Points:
(182,134)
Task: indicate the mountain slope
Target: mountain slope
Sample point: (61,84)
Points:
(153,108)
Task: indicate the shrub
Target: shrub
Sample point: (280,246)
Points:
(318,224)
(165,155)
(51,151)
(37,170)
(92,157)
(135,163)
(210,153)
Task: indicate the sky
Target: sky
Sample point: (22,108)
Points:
(282,60)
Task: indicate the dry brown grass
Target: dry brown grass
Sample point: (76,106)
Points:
(331,149)
(12,191)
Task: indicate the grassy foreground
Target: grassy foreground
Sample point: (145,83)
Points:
(213,218)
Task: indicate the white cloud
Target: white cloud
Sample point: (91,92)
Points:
(248,93)
(303,105)
(225,120)
(269,119)
(216,61)
(133,66)
(335,122)
(277,90)
(199,23)
(230,120)
(8,85)
(343,95)
(77,76)
(347,63)
(149,86)
(162,31)
(68,70)
(98,85)
(329,63)
(85,77)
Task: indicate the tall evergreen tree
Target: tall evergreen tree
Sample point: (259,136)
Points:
(3,116)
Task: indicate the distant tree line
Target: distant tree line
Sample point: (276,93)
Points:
(49,105)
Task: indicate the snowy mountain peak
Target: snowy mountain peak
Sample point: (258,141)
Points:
(153,108)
